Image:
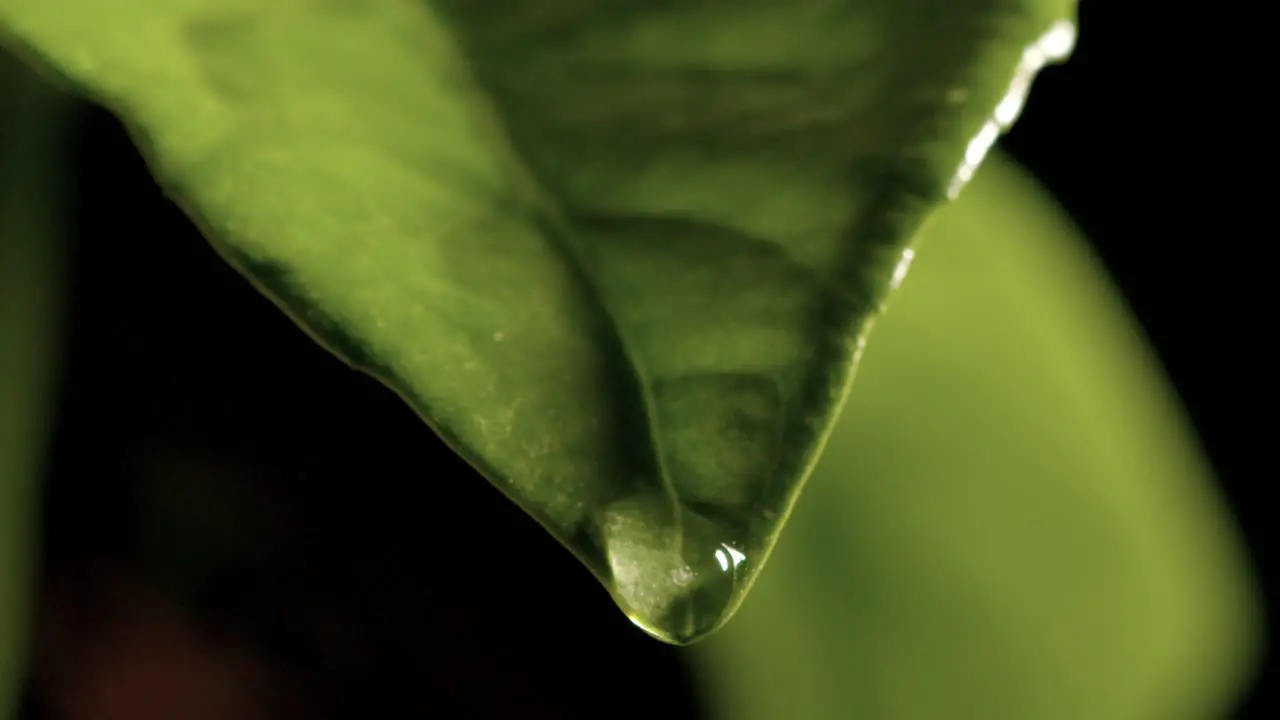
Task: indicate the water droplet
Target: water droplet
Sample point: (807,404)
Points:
(674,571)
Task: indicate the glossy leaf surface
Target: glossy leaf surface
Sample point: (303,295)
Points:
(619,254)
(1012,519)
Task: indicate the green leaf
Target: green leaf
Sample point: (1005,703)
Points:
(1012,520)
(30,281)
(619,254)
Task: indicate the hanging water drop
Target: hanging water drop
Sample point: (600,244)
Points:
(675,572)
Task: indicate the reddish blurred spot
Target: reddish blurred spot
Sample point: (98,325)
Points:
(128,653)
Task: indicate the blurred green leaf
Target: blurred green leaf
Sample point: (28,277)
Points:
(1012,519)
(619,254)
(30,282)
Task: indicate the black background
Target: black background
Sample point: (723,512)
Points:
(1153,136)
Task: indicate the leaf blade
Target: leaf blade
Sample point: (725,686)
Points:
(621,255)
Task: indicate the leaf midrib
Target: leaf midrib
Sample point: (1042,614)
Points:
(556,228)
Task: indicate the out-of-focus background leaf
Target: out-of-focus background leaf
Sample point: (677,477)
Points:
(1012,519)
(30,287)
